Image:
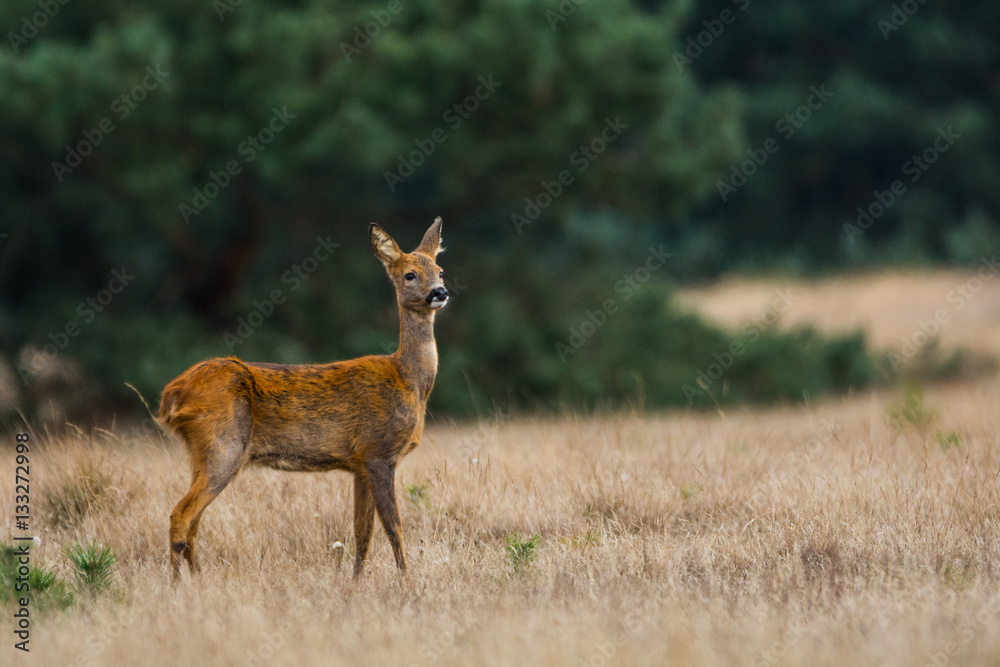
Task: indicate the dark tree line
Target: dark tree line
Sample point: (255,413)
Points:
(214,151)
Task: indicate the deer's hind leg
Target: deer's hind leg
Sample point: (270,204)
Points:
(218,452)
(192,536)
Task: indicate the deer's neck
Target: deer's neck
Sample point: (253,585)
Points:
(417,354)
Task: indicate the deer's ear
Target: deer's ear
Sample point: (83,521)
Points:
(385,248)
(431,245)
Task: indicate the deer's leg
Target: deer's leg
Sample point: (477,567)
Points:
(382,477)
(186,516)
(181,519)
(217,460)
(192,536)
(364,520)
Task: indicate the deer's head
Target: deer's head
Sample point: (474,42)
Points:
(418,279)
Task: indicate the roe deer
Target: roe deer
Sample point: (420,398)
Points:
(361,415)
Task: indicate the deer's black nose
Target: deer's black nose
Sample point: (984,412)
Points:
(437,294)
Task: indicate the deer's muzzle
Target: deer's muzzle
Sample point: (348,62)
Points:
(437,297)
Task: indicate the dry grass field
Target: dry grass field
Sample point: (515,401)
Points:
(888,305)
(851,531)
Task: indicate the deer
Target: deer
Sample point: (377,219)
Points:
(361,415)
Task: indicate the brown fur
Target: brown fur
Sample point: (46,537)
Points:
(360,415)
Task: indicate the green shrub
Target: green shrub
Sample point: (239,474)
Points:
(521,551)
(912,412)
(419,495)
(948,440)
(45,590)
(93,566)
(689,491)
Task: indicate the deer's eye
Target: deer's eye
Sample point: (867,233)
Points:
(410,276)
(441,274)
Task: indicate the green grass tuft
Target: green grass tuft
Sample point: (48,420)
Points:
(419,496)
(689,490)
(912,411)
(948,440)
(521,552)
(93,566)
(45,590)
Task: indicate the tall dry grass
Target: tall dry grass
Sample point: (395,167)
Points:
(843,533)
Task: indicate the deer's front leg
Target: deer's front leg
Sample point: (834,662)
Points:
(364,520)
(382,478)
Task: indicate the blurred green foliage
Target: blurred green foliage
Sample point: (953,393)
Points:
(230,146)
(898,73)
